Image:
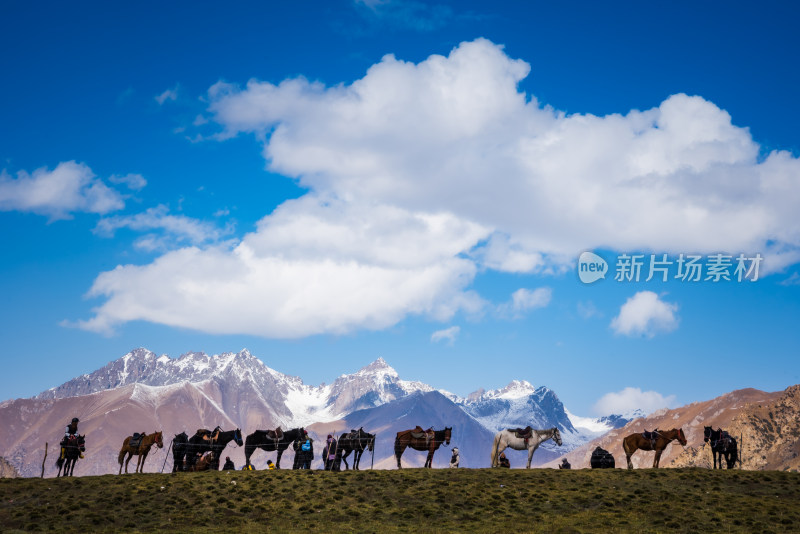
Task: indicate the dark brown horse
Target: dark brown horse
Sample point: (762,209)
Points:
(662,438)
(722,445)
(73,449)
(421,440)
(142,450)
(270,441)
(357,441)
(215,441)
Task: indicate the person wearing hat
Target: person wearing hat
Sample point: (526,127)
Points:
(69,434)
(504,461)
(564,464)
(228,464)
(270,465)
(329,453)
(455,459)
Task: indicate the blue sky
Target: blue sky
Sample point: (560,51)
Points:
(325,183)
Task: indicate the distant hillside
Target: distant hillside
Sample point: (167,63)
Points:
(144,392)
(768,433)
(717,412)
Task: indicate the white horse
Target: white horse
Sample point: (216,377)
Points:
(508,438)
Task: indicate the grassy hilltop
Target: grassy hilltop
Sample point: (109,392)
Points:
(647,500)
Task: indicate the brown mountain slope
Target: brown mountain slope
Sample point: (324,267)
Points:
(106,419)
(768,435)
(717,412)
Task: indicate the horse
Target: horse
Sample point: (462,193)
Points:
(180,444)
(72,451)
(663,438)
(722,444)
(197,445)
(141,450)
(357,441)
(421,440)
(261,440)
(520,439)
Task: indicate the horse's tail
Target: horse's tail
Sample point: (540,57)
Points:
(734,455)
(121,456)
(495,447)
(59,462)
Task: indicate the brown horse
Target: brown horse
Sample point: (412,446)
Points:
(421,440)
(662,439)
(144,447)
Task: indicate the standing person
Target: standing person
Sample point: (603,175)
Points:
(70,432)
(329,453)
(270,465)
(564,464)
(306,452)
(228,464)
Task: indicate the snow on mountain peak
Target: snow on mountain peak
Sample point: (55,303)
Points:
(378,367)
(516,389)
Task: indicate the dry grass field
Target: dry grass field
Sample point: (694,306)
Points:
(439,500)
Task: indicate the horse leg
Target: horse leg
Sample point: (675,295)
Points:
(143,457)
(345,454)
(398,452)
(657,458)
(531,450)
(130,455)
(628,453)
(278,461)
(429,459)
(356,459)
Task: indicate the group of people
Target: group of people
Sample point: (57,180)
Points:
(303,452)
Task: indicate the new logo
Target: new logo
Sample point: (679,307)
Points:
(591,267)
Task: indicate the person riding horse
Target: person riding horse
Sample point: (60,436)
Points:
(70,433)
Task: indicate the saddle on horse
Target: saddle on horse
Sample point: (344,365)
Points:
(419,433)
(522,433)
(651,437)
(208,435)
(136,440)
(275,436)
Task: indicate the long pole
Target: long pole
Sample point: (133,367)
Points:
(374,440)
(44,459)
(167,456)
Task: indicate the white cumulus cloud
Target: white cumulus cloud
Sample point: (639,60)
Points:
(69,188)
(313,267)
(422,174)
(630,399)
(645,314)
(455,133)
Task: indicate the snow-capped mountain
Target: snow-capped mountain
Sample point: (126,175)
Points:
(520,404)
(244,380)
(142,391)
